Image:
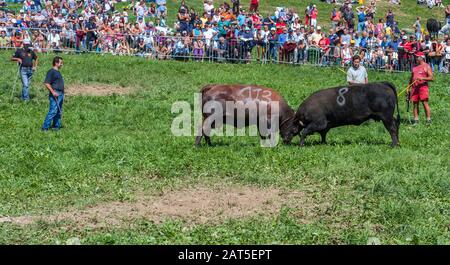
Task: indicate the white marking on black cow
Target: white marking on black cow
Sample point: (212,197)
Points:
(340,98)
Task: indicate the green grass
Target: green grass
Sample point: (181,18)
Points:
(112,147)
(405,14)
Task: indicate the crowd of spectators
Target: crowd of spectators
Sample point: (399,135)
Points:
(226,32)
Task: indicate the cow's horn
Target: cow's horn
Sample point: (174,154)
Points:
(301,123)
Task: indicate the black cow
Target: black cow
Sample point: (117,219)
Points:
(344,105)
(433,27)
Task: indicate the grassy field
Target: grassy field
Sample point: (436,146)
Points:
(118,148)
(405,14)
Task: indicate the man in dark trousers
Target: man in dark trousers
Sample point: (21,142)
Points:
(54,82)
(28,61)
(235,7)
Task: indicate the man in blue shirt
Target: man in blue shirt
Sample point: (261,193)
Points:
(246,43)
(54,82)
(363,40)
(241,18)
(393,44)
(361,19)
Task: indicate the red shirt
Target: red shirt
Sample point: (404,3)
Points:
(254,2)
(314,13)
(408,46)
(280,26)
(420,71)
(324,43)
(256,22)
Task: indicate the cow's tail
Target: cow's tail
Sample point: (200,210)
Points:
(392,86)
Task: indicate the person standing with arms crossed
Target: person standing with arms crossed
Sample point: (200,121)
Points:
(54,82)
(28,61)
(421,75)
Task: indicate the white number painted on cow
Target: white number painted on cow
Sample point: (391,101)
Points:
(340,98)
(266,94)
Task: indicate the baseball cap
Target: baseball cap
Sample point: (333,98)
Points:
(420,54)
(25,42)
(273,28)
(319,27)
(404,37)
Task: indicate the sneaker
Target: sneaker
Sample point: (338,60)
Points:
(415,123)
(429,122)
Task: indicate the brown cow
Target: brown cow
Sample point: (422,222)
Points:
(241,95)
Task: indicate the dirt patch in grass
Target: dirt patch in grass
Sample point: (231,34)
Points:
(96,90)
(196,205)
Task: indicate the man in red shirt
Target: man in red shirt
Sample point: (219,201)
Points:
(421,75)
(324,45)
(314,14)
(254,5)
(280,25)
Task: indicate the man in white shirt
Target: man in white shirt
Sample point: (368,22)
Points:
(357,73)
(53,40)
(208,33)
(60,20)
(317,36)
(208,6)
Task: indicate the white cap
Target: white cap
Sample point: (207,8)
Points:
(319,27)
(405,37)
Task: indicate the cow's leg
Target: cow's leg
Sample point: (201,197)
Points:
(323,134)
(198,139)
(312,128)
(391,125)
(205,133)
(264,134)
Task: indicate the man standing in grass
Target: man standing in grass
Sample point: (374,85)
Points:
(421,75)
(28,61)
(54,82)
(357,74)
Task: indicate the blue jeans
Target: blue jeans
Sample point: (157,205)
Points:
(25,74)
(361,26)
(54,113)
(273,52)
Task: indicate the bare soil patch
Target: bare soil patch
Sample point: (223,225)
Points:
(96,90)
(197,205)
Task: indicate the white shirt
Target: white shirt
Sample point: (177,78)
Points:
(208,34)
(59,21)
(357,75)
(54,39)
(208,7)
